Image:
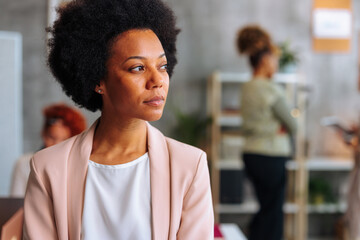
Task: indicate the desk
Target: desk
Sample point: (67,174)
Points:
(231,231)
(8,207)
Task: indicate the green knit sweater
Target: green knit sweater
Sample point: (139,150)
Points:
(267,123)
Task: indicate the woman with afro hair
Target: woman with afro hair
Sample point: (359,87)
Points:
(267,127)
(122,178)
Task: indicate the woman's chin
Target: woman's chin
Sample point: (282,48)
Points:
(153,117)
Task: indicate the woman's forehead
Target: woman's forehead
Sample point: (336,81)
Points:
(137,42)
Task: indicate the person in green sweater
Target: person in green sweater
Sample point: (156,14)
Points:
(267,128)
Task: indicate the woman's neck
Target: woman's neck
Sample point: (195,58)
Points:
(118,141)
(260,73)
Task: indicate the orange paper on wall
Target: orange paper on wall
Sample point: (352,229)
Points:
(338,42)
(359,62)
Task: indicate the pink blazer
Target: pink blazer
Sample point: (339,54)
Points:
(180,190)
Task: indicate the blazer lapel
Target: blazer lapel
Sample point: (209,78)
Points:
(160,183)
(77,169)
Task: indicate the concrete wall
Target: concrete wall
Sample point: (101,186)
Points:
(205,44)
(39,88)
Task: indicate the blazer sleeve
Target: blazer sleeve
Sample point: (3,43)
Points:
(197,220)
(39,220)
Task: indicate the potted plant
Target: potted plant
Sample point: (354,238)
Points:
(190,128)
(288,58)
(320,191)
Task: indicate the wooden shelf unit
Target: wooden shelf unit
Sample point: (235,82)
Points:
(324,164)
(296,219)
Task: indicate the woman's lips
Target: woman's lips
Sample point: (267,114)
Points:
(155,101)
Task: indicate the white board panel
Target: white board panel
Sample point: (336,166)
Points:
(10,106)
(332,23)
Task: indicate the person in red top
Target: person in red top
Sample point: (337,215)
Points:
(60,123)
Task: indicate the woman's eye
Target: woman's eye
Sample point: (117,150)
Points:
(164,67)
(137,69)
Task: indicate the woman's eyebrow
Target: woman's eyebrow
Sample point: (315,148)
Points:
(140,57)
(134,57)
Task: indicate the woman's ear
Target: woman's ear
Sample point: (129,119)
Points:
(263,65)
(100,88)
(267,62)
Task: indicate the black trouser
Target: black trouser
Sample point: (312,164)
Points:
(268,176)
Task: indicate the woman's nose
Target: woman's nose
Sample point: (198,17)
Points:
(156,79)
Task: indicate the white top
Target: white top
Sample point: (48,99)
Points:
(20,176)
(117,201)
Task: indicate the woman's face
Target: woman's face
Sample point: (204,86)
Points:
(270,62)
(137,81)
(55,133)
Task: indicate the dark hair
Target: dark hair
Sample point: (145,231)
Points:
(256,57)
(83,34)
(255,42)
(69,116)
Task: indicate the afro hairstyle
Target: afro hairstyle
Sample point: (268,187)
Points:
(82,38)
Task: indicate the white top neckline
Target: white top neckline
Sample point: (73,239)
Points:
(117,203)
(117,166)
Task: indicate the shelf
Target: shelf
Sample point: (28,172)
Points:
(232,231)
(250,207)
(313,164)
(329,164)
(233,77)
(229,120)
(230,164)
(226,141)
(288,78)
(237,164)
(327,208)
(324,164)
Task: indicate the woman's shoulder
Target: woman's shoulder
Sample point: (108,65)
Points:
(174,147)
(183,147)
(273,89)
(184,154)
(54,156)
(261,83)
(276,87)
